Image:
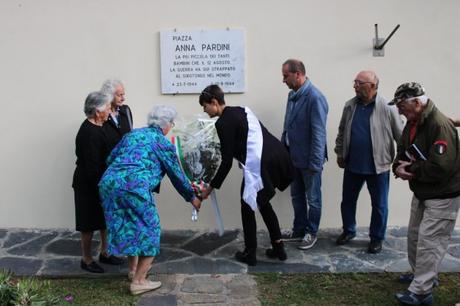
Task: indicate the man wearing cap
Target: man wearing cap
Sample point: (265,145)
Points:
(429,158)
(365,148)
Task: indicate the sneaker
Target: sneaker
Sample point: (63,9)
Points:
(375,247)
(344,238)
(410,298)
(110,260)
(142,288)
(291,236)
(308,242)
(409,277)
(92,267)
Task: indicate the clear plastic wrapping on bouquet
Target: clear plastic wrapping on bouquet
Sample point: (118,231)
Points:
(198,151)
(198,148)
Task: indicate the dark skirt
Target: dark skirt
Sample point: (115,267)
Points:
(89,215)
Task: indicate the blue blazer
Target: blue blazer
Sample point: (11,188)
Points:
(305,129)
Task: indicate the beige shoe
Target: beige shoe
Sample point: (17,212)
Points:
(142,288)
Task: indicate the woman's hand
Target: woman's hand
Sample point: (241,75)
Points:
(196,202)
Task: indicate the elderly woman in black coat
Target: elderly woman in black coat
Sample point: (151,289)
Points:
(120,120)
(92,149)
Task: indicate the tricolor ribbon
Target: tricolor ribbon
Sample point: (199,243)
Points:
(198,188)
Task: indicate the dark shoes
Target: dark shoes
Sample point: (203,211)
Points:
(92,267)
(375,246)
(247,256)
(277,251)
(110,260)
(344,238)
(409,277)
(409,298)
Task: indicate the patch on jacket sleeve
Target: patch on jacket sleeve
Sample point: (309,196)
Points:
(440,146)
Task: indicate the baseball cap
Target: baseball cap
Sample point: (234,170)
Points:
(407,91)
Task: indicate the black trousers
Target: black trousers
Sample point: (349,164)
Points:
(248,218)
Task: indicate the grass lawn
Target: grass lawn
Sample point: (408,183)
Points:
(345,289)
(93,292)
(274,289)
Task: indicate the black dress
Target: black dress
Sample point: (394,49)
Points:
(276,170)
(92,150)
(115,131)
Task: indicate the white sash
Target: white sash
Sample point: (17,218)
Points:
(251,170)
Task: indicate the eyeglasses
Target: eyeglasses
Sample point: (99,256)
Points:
(172,124)
(359,83)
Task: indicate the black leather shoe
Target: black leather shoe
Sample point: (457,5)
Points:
(92,267)
(111,260)
(344,238)
(375,246)
(248,257)
(410,298)
(277,251)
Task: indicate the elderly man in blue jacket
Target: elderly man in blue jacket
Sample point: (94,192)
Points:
(304,134)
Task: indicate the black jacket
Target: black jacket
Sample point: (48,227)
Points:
(92,150)
(276,167)
(115,132)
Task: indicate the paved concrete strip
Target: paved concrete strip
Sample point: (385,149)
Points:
(57,253)
(197,268)
(203,289)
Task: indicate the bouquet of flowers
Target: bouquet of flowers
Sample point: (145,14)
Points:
(198,151)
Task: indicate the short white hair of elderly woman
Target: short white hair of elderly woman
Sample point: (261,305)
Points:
(161,116)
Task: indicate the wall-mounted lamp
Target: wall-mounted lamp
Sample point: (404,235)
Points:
(379,43)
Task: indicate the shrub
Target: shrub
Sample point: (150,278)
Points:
(24,291)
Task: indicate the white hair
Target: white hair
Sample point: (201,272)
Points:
(161,116)
(110,86)
(423,99)
(95,101)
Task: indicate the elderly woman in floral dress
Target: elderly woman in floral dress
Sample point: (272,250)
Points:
(136,167)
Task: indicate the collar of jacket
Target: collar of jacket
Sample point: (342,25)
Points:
(429,108)
(380,102)
(295,95)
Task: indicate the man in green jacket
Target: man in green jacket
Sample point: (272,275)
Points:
(429,158)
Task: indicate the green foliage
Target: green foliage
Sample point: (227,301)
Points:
(7,291)
(30,291)
(24,291)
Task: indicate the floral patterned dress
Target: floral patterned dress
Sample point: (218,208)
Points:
(136,167)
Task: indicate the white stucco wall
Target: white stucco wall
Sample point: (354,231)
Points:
(53,53)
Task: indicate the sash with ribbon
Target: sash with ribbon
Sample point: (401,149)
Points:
(251,169)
